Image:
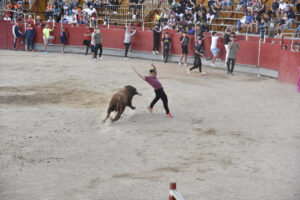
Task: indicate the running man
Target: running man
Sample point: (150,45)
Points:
(158,89)
(197,62)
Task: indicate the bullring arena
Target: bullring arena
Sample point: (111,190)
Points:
(232,137)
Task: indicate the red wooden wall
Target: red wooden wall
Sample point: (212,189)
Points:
(271,55)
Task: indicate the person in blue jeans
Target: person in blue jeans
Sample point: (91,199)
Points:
(226,2)
(245,21)
(17,34)
(30,33)
(297,31)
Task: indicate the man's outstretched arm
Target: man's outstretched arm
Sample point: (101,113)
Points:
(142,77)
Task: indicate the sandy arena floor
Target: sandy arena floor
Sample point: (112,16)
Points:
(231,138)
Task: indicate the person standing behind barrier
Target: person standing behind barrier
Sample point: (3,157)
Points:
(17,33)
(63,39)
(127,39)
(30,33)
(87,38)
(226,41)
(213,47)
(166,44)
(98,43)
(184,40)
(156,36)
(233,47)
(47,37)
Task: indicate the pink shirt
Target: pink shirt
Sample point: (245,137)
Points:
(153,82)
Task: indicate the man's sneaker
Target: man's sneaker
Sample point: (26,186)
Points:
(203,73)
(188,71)
(212,64)
(157,52)
(153,52)
(179,63)
(185,64)
(150,109)
(125,58)
(95,59)
(169,115)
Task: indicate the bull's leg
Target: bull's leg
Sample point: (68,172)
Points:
(118,115)
(107,116)
(130,106)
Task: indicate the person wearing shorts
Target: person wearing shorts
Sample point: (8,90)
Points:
(184,40)
(47,37)
(213,47)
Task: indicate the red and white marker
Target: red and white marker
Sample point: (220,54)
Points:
(174,195)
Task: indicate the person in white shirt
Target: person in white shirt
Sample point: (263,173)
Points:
(213,47)
(73,20)
(6,18)
(282,7)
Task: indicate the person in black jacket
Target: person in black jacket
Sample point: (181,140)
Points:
(30,33)
(156,36)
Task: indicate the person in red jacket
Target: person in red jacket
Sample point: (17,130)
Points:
(87,38)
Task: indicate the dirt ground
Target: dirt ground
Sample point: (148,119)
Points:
(231,138)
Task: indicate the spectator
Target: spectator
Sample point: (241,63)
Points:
(233,47)
(261,8)
(282,7)
(274,8)
(47,37)
(38,21)
(17,34)
(128,34)
(226,2)
(30,20)
(262,28)
(242,3)
(213,47)
(291,16)
(184,40)
(50,20)
(172,21)
(272,26)
(246,21)
(87,38)
(188,16)
(296,48)
(283,24)
(212,12)
(297,31)
(156,37)
(6,17)
(164,16)
(98,43)
(73,20)
(197,59)
(63,39)
(30,33)
(49,10)
(298,6)
(166,44)
(182,25)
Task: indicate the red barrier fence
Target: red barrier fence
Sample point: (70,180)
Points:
(271,55)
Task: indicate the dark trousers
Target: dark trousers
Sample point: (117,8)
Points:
(127,48)
(160,94)
(155,42)
(197,63)
(166,54)
(98,46)
(29,43)
(232,61)
(16,39)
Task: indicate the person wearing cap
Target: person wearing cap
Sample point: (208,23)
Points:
(158,89)
(184,40)
(166,44)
